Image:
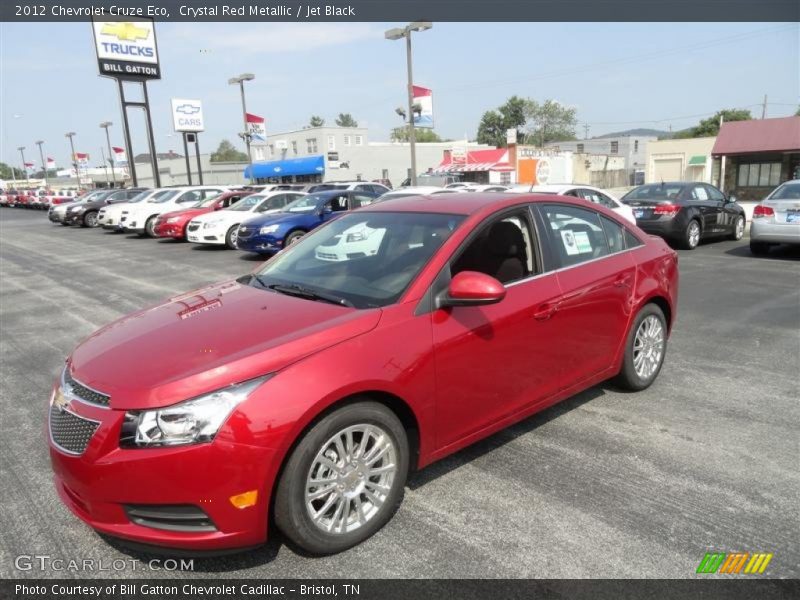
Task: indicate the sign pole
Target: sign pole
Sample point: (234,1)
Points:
(197,153)
(186,156)
(150,138)
(126,130)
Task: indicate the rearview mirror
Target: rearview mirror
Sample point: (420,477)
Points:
(471,288)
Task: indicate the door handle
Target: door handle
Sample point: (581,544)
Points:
(544,311)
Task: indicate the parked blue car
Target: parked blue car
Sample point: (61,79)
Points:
(272,232)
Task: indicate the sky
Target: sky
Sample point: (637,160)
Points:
(617,75)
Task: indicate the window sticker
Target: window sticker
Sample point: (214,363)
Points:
(576,242)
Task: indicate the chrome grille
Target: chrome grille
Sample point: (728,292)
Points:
(70,432)
(83,392)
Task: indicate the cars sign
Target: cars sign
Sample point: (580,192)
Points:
(187,115)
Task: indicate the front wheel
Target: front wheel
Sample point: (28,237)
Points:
(90,219)
(344,480)
(293,238)
(150,227)
(645,348)
(232,236)
(738,229)
(691,235)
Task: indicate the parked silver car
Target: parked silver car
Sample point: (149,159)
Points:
(777,219)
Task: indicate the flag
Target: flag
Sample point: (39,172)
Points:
(256,128)
(29,165)
(81,157)
(51,163)
(423,99)
(119,156)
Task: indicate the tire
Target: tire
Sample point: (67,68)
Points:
(738,229)
(759,248)
(632,377)
(691,235)
(231,237)
(293,237)
(64,224)
(150,226)
(292,515)
(90,219)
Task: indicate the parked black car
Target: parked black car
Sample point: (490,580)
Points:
(684,212)
(85,213)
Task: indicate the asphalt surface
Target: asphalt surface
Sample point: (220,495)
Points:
(605,485)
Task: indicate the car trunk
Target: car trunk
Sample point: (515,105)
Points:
(648,209)
(786,211)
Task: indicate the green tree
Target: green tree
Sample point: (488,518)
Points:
(316,121)
(494,123)
(549,121)
(400,134)
(226,152)
(6,173)
(346,120)
(797,114)
(710,126)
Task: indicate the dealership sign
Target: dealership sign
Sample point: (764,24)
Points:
(127,49)
(187,115)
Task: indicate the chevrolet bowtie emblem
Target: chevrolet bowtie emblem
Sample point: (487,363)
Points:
(60,401)
(125,31)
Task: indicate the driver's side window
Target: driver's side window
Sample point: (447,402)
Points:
(338,204)
(502,249)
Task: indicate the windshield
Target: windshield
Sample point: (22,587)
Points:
(788,191)
(163,196)
(207,202)
(140,196)
(305,204)
(656,191)
(248,203)
(366,259)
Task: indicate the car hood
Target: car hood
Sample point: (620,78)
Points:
(188,213)
(280,217)
(207,339)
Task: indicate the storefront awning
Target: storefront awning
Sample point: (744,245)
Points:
(307,165)
(698,160)
(758,135)
(477,160)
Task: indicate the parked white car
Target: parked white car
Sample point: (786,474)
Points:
(586,192)
(420,190)
(109,216)
(358,186)
(141,217)
(483,187)
(220,227)
(776,220)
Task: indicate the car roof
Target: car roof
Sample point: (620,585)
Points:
(458,204)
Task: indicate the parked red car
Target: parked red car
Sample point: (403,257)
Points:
(307,390)
(173,224)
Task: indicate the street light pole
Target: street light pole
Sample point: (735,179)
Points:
(44,164)
(22,154)
(245,135)
(396,34)
(105,125)
(70,135)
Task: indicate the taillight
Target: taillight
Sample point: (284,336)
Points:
(669,210)
(762,211)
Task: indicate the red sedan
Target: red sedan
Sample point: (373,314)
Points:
(302,394)
(173,224)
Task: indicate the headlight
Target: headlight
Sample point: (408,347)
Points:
(211,224)
(358,236)
(268,229)
(173,219)
(191,422)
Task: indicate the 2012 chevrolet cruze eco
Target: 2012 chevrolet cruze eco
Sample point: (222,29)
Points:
(302,394)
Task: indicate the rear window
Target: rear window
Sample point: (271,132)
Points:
(788,191)
(657,191)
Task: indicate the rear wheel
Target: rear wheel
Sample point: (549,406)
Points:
(232,236)
(644,349)
(759,248)
(90,219)
(738,229)
(691,235)
(293,237)
(344,480)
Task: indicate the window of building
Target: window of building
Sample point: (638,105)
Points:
(347,140)
(635,145)
(311,144)
(580,148)
(505,178)
(271,150)
(331,142)
(359,140)
(294,147)
(766,174)
(614,147)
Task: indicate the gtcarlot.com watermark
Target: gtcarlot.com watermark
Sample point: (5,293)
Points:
(46,562)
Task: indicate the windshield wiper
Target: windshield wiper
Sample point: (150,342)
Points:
(304,292)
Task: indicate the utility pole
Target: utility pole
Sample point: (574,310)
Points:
(586,131)
(764,108)
(70,135)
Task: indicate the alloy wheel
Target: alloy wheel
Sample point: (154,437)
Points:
(91,220)
(693,234)
(739,232)
(648,347)
(350,478)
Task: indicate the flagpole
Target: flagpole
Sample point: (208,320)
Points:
(24,166)
(105,165)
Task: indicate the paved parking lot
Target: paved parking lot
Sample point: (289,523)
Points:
(606,484)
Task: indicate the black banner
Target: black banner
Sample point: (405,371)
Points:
(382,589)
(406,10)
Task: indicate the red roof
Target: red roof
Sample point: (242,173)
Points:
(762,135)
(476,160)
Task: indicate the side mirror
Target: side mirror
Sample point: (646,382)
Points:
(471,288)
(732,198)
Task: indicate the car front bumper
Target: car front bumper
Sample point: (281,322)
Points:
(55,217)
(774,233)
(206,236)
(102,484)
(170,230)
(260,244)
